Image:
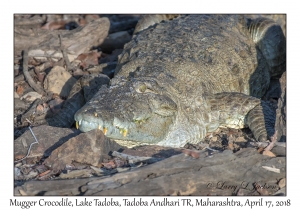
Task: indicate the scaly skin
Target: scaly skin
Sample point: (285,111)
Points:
(173,79)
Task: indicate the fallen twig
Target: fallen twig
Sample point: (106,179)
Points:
(269,146)
(276,170)
(28,76)
(36,142)
(272,143)
(21,77)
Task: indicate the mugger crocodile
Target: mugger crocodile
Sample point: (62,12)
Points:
(179,79)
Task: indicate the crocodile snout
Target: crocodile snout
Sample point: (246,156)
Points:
(126,114)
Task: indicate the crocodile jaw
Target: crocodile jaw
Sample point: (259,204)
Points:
(123,114)
(152,131)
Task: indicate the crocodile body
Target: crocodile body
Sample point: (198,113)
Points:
(177,80)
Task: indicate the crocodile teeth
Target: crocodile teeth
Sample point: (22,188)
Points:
(99,127)
(125,132)
(104,130)
(95,114)
(77,125)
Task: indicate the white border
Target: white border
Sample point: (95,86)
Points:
(140,7)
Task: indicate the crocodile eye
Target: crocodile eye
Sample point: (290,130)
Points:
(142,88)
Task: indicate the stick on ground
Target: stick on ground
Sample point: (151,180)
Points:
(28,76)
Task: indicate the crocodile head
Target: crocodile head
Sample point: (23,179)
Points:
(133,109)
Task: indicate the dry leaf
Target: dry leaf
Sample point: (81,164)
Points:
(268,153)
(230,146)
(82,22)
(194,154)
(88,59)
(109,165)
(260,150)
(39,109)
(120,163)
(44,173)
(54,25)
(20,90)
(282,183)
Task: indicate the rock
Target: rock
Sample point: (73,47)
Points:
(31,96)
(282,183)
(48,137)
(281,192)
(90,148)
(279,151)
(19,104)
(221,174)
(280,124)
(59,81)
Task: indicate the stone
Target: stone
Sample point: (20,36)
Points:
(59,81)
(48,139)
(90,148)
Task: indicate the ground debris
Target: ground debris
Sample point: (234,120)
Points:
(90,148)
(48,137)
(169,176)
